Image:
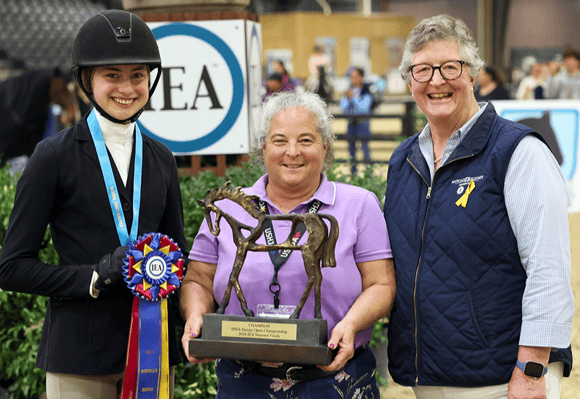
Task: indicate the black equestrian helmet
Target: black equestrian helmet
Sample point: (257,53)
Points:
(114,37)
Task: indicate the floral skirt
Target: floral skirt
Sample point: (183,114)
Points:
(356,380)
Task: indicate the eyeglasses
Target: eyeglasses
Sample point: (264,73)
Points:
(449,70)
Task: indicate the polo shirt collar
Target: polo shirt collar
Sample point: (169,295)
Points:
(326,192)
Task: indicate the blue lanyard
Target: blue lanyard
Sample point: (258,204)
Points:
(110,184)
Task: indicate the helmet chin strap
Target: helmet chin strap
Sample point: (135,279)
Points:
(112,119)
(76,73)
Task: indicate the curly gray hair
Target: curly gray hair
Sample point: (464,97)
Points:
(441,27)
(284,100)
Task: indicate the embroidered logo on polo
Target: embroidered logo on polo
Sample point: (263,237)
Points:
(465,187)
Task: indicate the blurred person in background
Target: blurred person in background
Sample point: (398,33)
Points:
(532,87)
(477,213)
(490,86)
(273,85)
(357,103)
(26,111)
(564,83)
(287,84)
(318,82)
(317,60)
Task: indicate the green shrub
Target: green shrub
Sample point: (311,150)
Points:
(23,314)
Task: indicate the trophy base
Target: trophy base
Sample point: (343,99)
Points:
(261,339)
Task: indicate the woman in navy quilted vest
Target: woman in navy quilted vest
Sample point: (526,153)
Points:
(476,209)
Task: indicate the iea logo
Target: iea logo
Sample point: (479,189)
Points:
(200,98)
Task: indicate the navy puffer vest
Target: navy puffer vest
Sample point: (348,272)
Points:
(457,314)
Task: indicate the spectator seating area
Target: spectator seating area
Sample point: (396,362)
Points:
(40,33)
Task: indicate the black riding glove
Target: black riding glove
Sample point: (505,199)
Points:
(110,269)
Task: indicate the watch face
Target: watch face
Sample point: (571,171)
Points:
(534,369)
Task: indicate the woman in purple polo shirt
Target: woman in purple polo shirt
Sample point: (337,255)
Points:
(295,147)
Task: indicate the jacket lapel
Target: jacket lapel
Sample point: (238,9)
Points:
(83,135)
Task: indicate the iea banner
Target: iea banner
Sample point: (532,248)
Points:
(201,104)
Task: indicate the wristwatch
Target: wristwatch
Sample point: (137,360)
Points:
(532,369)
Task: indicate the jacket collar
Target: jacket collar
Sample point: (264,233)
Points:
(477,137)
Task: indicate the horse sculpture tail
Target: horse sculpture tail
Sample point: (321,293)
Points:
(328,258)
(208,209)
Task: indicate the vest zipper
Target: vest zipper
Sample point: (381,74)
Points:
(416,321)
(428,197)
(417,278)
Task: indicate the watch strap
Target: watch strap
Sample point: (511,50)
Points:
(522,366)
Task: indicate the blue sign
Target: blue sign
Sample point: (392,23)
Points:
(563,123)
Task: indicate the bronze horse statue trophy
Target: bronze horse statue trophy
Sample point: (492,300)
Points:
(319,246)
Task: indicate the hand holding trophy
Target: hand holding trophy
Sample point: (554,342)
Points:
(290,340)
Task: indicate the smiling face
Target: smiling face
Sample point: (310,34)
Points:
(448,104)
(121,90)
(294,151)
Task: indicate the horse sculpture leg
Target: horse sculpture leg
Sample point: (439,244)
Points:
(309,266)
(317,291)
(234,282)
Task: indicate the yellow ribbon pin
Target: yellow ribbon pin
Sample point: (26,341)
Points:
(463,200)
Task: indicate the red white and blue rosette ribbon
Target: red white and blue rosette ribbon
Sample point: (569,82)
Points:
(153,270)
(154,267)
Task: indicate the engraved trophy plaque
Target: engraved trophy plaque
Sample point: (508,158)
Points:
(265,339)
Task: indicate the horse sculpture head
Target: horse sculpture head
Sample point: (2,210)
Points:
(248,202)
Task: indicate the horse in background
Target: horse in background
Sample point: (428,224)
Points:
(318,248)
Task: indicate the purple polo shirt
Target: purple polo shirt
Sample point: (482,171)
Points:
(362,237)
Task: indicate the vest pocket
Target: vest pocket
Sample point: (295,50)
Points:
(475,319)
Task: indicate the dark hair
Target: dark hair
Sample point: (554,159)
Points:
(282,65)
(571,52)
(494,75)
(360,71)
(275,76)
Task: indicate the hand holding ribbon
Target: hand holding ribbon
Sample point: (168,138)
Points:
(110,269)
